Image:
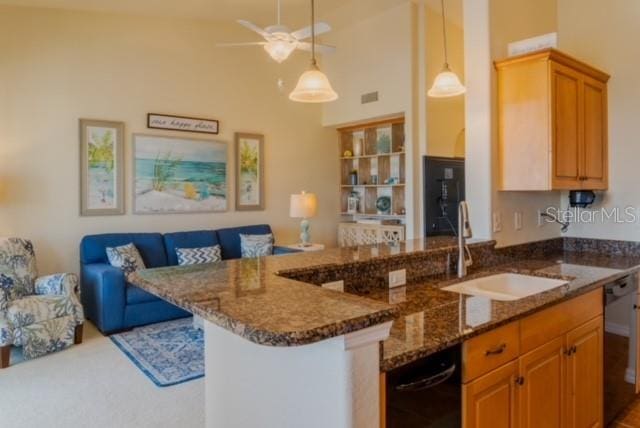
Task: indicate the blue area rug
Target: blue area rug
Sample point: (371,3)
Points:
(169,353)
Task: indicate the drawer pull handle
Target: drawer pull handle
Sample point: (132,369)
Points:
(569,352)
(496,351)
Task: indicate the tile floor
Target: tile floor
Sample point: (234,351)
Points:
(629,418)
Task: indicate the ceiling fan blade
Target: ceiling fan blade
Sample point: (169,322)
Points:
(224,45)
(253,27)
(305,33)
(305,46)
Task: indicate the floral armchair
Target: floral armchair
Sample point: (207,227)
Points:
(41,314)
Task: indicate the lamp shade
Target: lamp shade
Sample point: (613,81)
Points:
(446,84)
(303,205)
(313,87)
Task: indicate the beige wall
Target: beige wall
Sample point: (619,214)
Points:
(58,66)
(445,116)
(376,52)
(513,20)
(605,34)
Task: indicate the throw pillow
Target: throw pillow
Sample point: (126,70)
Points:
(126,258)
(256,245)
(196,256)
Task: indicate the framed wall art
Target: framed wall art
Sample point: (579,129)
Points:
(182,123)
(178,175)
(249,172)
(101,167)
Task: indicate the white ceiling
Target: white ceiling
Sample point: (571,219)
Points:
(263,12)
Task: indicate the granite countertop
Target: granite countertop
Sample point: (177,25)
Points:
(431,319)
(252,298)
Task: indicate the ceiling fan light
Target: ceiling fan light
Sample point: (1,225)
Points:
(280,50)
(446,84)
(313,87)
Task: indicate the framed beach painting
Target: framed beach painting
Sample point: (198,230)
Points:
(101,167)
(178,175)
(249,172)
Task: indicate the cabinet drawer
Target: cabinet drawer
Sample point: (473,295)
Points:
(541,327)
(490,350)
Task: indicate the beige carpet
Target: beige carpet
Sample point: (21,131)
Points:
(93,385)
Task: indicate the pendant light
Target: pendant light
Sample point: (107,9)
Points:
(446,83)
(313,86)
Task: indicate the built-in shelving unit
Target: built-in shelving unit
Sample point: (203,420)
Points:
(372,166)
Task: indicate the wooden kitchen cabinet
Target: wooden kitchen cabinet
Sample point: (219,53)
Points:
(541,389)
(554,381)
(552,123)
(491,400)
(583,380)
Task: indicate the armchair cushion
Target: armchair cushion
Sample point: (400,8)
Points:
(45,337)
(35,309)
(17,269)
(59,283)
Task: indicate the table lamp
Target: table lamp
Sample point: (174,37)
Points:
(304,206)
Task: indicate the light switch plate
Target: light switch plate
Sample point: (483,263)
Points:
(517,220)
(335,285)
(397,278)
(497,221)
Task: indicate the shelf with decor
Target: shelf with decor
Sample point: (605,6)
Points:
(373,172)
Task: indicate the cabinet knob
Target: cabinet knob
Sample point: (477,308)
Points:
(520,380)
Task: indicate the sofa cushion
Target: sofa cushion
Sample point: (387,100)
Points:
(126,258)
(256,245)
(150,246)
(197,256)
(137,295)
(230,238)
(192,239)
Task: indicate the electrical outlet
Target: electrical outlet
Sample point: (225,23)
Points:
(517,220)
(497,221)
(335,285)
(397,278)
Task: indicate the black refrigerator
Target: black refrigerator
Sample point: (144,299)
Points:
(443,180)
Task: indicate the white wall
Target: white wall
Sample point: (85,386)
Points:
(58,66)
(377,52)
(489,25)
(605,34)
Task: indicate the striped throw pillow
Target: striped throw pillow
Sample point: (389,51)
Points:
(197,256)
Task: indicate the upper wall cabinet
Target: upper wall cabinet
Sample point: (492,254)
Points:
(552,123)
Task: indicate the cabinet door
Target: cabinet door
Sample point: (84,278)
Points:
(584,375)
(566,111)
(595,154)
(541,392)
(490,401)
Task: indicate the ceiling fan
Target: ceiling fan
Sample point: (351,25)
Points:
(280,42)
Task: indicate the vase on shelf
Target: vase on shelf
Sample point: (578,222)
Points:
(353,178)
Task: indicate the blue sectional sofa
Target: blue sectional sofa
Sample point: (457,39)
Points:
(113,304)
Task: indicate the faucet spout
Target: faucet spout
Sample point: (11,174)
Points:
(464,232)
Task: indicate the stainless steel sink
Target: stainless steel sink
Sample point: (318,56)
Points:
(506,286)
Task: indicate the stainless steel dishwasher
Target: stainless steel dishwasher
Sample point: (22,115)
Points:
(426,393)
(620,339)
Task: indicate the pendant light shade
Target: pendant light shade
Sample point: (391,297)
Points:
(446,83)
(313,86)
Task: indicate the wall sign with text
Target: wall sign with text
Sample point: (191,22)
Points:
(182,123)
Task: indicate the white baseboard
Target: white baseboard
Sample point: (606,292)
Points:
(617,329)
(630,376)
